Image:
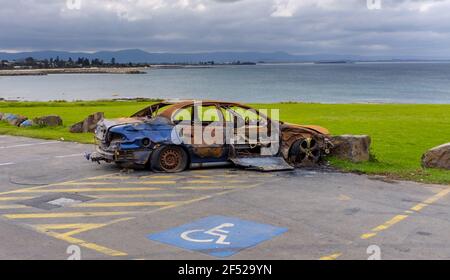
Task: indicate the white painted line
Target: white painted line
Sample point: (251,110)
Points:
(8,163)
(68,156)
(28,145)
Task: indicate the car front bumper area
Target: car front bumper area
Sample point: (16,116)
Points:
(138,157)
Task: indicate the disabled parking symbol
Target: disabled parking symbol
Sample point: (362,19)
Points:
(218,236)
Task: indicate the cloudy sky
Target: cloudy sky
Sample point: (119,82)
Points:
(400,27)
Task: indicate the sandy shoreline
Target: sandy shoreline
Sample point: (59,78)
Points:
(93,70)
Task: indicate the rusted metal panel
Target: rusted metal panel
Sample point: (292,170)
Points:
(262,163)
(204,152)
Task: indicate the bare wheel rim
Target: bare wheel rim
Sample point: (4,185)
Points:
(309,151)
(171,158)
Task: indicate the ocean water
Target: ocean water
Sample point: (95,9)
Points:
(327,83)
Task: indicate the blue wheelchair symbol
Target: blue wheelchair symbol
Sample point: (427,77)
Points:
(218,235)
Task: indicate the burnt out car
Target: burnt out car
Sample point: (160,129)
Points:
(172,136)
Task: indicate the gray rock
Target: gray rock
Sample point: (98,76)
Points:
(8,116)
(1,116)
(88,125)
(438,157)
(77,128)
(51,120)
(26,123)
(355,148)
(17,120)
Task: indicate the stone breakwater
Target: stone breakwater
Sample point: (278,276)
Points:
(93,70)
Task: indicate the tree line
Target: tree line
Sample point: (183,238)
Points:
(80,62)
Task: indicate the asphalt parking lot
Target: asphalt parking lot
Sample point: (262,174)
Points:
(51,198)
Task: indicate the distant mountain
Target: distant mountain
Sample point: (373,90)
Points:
(140,56)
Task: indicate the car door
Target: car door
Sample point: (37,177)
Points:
(208,133)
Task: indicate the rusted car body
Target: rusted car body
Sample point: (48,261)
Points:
(150,138)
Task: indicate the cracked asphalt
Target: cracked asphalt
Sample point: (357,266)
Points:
(51,198)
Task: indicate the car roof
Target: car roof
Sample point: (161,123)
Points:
(180,104)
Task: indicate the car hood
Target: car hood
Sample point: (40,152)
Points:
(315,128)
(108,123)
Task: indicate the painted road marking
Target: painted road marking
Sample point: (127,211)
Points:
(13,206)
(115,183)
(89,245)
(14,198)
(7,163)
(79,228)
(398,218)
(63,215)
(218,236)
(154,183)
(160,177)
(160,206)
(82,183)
(331,257)
(401,217)
(136,195)
(49,185)
(85,190)
(124,204)
(209,188)
(29,145)
(200,182)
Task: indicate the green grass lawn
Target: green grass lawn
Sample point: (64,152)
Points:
(400,133)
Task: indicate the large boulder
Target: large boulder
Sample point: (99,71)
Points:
(438,157)
(355,148)
(88,125)
(51,120)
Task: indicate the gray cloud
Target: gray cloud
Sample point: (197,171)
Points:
(401,27)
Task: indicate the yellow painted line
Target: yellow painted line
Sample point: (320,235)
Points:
(64,215)
(419,207)
(211,182)
(14,198)
(397,219)
(201,182)
(153,183)
(49,185)
(187,202)
(13,206)
(79,228)
(343,197)
(123,204)
(390,223)
(107,176)
(116,183)
(159,177)
(331,257)
(136,195)
(202,176)
(81,190)
(197,188)
(83,184)
(368,235)
(431,200)
(384,226)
